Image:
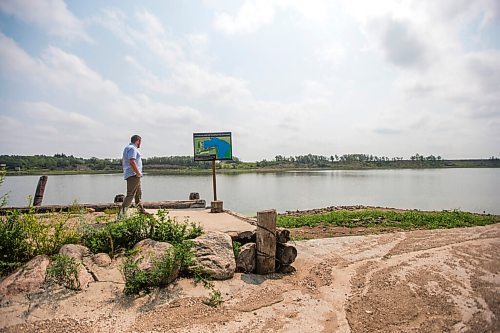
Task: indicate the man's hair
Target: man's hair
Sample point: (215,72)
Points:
(134,138)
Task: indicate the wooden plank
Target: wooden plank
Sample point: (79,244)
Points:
(174,204)
(40,189)
(266,242)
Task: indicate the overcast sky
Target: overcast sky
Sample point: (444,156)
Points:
(286,77)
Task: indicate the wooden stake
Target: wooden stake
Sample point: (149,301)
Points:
(214,180)
(40,189)
(266,242)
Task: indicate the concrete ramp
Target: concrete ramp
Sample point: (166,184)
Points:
(226,222)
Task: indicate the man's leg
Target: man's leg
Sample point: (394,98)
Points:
(132,183)
(138,197)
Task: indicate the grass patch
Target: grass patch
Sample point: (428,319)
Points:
(406,220)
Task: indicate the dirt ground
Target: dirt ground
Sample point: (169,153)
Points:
(418,281)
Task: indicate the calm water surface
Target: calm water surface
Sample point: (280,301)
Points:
(475,190)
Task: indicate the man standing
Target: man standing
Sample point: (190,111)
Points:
(132,172)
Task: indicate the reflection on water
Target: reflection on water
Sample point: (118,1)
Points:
(432,189)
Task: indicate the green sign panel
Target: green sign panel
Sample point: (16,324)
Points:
(212,146)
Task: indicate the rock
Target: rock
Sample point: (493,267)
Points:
(119,198)
(150,251)
(246,258)
(102,259)
(285,254)
(27,279)
(103,269)
(214,253)
(194,196)
(287,269)
(79,253)
(282,235)
(247,236)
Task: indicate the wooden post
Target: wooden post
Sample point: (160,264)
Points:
(266,242)
(214,180)
(40,189)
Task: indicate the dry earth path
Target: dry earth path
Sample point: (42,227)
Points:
(418,281)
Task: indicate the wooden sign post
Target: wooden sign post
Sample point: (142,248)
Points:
(213,147)
(214,180)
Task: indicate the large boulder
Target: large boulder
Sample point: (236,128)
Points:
(76,251)
(79,253)
(214,253)
(246,258)
(103,269)
(149,251)
(27,279)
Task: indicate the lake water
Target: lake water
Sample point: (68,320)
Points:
(475,190)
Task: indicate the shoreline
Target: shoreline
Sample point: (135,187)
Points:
(195,172)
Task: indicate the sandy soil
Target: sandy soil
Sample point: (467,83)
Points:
(418,281)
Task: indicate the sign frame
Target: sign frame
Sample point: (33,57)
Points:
(212,157)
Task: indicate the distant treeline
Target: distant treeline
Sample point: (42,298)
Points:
(62,162)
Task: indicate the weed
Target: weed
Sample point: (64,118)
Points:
(236,248)
(64,270)
(215,298)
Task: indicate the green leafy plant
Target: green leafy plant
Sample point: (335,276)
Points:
(236,248)
(26,235)
(64,270)
(136,280)
(125,233)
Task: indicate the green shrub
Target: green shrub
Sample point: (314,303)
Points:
(64,270)
(25,235)
(137,281)
(125,233)
(169,230)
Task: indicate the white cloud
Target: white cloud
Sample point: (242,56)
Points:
(255,14)
(51,15)
(93,101)
(251,16)
(43,112)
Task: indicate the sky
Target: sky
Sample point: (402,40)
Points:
(286,77)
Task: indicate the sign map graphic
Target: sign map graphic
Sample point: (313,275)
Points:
(212,146)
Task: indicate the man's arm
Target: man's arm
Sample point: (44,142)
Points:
(134,167)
